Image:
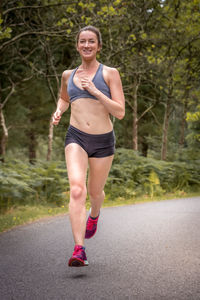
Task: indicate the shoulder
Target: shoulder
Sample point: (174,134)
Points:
(66,74)
(110,74)
(110,70)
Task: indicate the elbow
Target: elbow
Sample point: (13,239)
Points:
(121,112)
(121,115)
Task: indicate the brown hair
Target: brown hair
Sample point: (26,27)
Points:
(93,29)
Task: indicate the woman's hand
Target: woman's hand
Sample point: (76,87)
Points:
(86,83)
(56,117)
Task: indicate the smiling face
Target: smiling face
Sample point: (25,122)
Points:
(88,45)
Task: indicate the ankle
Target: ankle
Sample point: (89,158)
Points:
(94,214)
(94,218)
(79,246)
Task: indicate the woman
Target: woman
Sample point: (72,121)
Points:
(94,91)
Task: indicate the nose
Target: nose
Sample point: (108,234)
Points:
(86,43)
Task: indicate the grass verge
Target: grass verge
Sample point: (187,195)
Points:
(27,214)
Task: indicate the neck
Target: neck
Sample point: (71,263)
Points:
(89,64)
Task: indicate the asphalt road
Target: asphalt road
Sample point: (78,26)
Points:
(145,251)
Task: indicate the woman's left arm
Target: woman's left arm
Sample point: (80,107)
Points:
(116,105)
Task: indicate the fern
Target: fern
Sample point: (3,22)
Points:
(131,175)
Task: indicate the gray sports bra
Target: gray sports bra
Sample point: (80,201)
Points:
(75,92)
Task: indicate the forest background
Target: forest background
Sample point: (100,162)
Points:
(155,46)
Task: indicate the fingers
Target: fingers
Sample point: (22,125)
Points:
(84,83)
(56,117)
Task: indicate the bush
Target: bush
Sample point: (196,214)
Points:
(131,176)
(23,183)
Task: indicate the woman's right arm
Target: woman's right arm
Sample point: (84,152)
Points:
(63,101)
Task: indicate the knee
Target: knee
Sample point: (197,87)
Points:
(78,192)
(96,194)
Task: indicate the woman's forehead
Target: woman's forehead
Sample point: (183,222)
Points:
(87,34)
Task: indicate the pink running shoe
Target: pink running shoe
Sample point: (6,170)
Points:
(78,258)
(91,227)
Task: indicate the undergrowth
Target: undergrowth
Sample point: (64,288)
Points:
(131,176)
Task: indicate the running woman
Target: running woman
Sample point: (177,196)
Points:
(94,92)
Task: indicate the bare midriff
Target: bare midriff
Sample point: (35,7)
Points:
(90,116)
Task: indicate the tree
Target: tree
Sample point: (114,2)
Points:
(154,44)
(26,51)
(178,39)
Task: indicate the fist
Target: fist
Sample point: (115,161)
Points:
(56,117)
(84,80)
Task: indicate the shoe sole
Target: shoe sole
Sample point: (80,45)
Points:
(86,237)
(75,262)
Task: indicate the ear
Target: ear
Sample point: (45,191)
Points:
(99,49)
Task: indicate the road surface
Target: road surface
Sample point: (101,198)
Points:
(145,251)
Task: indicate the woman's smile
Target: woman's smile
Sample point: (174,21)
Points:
(88,44)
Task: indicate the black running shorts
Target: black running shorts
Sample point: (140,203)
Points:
(96,145)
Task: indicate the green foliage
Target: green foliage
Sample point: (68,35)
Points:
(193,119)
(155,41)
(133,175)
(26,213)
(22,183)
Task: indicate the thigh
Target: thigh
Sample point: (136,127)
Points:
(98,173)
(77,163)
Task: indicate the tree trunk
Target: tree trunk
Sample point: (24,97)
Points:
(145,147)
(49,67)
(32,141)
(4,137)
(32,146)
(183,123)
(50,140)
(165,129)
(135,118)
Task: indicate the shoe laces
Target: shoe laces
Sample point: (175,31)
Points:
(78,251)
(91,222)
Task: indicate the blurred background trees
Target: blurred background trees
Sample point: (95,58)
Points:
(154,44)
